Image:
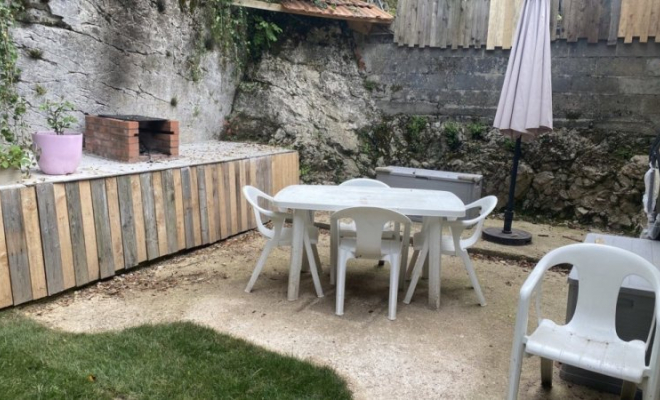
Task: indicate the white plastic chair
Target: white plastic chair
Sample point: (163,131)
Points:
(589,341)
(347,228)
(369,243)
(453,245)
(280,236)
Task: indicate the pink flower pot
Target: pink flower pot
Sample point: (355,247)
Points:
(58,154)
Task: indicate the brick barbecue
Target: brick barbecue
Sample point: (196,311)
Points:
(131,138)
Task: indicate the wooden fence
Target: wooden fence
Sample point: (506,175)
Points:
(492,23)
(56,236)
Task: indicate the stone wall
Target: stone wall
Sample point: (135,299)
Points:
(122,57)
(349,104)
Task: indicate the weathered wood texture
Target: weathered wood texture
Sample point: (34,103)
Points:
(57,236)
(464,23)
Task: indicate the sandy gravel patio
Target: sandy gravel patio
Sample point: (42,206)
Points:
(458,352)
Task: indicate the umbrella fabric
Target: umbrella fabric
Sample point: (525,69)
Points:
(525,107)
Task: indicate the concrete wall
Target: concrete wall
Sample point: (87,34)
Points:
(617,85)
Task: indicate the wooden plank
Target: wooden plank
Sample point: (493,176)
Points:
(592,17)
(509,27)
(604,20)
(627,20)
(615,19)
(203,205)
(169,203)
(159,209)
(253,181)
(494,24)
(66,248)
(194,201)
(422,28)
(442,17)
(467,8)
(19,265)
(50,237)
(554,14)
(454,22)
(208,175)
(411,33)
(241,204)
(115,222)
(149,210)
(178,203)
(104,243)
(33,240)
(126,213)
(6,298)
(186,187)
(644,9)
(89,230)
(216,202)
(138,219)
(654,27)
(225,224)
(232,209)
(78,246)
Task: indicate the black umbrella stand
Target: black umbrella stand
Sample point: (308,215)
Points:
(507,235)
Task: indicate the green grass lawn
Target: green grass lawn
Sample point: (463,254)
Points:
(169,361)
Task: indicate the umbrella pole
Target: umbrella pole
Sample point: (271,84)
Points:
(507,235)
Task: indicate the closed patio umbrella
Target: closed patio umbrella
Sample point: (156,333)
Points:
(525,107)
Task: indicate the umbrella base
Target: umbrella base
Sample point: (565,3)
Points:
(515,238)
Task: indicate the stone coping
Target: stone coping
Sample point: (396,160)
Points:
(198,153)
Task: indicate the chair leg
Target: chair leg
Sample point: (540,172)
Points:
(334,248)
(628,390)
(403,261)
(394,287)
(312,267)
(546,372)
(473,276)
(340,285)
(417,270)
(305,261)
(515,368)
(411,265)
(260,265)
(317,259)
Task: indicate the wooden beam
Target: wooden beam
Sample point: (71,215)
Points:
(262,5)
(259,5)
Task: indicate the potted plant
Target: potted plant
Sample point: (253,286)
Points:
(58,152)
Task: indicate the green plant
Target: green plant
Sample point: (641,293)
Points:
(477,130)
(39,90)
(14,156)
(174,102)
(265,34)
(416,124)
(510,144)
(12,104)
(57,116)
(452,134)
(35,54)
(370,85)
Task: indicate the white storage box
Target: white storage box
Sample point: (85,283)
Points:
(466,186)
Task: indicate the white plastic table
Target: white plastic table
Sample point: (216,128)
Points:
(433,205)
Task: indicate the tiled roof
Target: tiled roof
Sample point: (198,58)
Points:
(352,10)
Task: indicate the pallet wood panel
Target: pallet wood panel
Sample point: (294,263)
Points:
(64,235)
(138,218)
(78,244)
(149,210)
(104,243)
(89,230)
(169,203)
(48,225)
(194,202)
(186,187)
(33,240)
(66,250)
(203,205)
(115,222)
(6,298)
(178,199)
(127,220)
(159,210)
(639,20)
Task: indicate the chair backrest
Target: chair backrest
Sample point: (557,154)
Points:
(370,223)
(601,270)
(252,195)
(364,182)
(486,205)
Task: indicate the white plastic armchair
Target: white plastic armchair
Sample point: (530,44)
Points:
(347,228)
(368,242)
(279,235)
(589,340)
(453,245)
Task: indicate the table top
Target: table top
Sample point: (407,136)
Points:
(432,203)
(647,249)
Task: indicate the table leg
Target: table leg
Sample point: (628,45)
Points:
(299,220)
(434,231)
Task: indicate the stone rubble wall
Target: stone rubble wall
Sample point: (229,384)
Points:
(121,57)
(349,104)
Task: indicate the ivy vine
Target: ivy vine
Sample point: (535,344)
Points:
(14,142)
